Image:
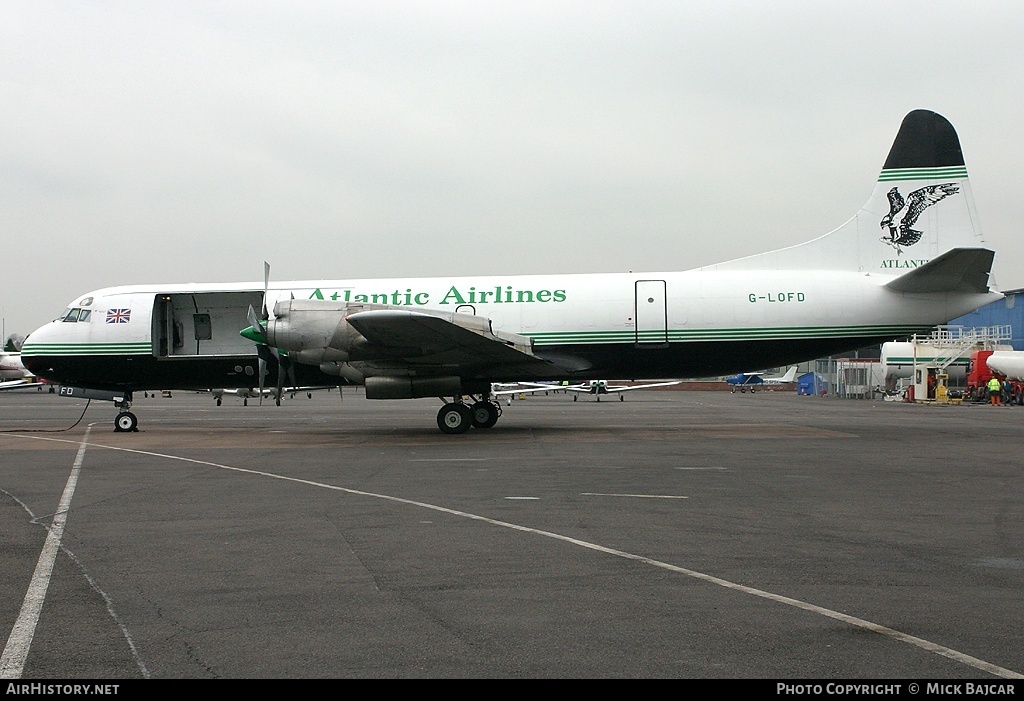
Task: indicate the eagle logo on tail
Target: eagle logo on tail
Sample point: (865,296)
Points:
(900,231)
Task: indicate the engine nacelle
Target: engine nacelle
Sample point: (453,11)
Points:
(312,325)
(389,387)
(345,370)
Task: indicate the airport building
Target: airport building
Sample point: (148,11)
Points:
(863,374)
(1006,312)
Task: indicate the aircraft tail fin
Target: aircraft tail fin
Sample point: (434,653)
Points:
(920,209)
(789,376)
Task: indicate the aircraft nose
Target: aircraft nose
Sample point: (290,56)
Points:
(35,347)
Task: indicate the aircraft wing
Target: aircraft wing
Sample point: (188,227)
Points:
(529,387)
(19,384)
(609,389)
(252,392)
(626,388)
(465,341)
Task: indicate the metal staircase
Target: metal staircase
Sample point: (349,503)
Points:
(952,342)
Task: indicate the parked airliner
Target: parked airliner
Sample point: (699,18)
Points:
(911,258)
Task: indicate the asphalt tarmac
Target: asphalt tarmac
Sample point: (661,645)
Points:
(677,534)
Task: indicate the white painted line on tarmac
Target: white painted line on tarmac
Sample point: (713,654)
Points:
(12,660)
(636,496)
(450,459)
(921,643)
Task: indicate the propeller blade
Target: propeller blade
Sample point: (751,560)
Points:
(257,332)
(266,287)
(262,372)
(253,321)
(280,376)
(285,369)
(291,369)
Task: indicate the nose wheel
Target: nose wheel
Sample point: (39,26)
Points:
(126,421)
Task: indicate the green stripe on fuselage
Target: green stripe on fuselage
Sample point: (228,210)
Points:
(33,349)
(735,334)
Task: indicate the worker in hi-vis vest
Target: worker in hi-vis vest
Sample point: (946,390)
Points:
(995,389)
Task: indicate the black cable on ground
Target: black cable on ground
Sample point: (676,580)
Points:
(50,430)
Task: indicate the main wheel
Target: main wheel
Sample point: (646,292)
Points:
(126,421)
(485,414)
(454,417)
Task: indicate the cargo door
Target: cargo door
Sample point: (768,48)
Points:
(651,314)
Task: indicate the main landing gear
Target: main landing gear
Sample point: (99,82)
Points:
(457,416)
(126,421)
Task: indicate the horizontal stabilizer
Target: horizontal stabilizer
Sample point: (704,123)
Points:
(956,270)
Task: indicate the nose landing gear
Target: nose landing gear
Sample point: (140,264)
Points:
(126,421)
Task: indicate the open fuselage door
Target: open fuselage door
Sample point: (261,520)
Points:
(651,314)
(202,324)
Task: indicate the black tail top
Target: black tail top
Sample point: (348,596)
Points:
(925,140)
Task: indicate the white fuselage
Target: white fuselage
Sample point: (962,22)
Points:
(697,322)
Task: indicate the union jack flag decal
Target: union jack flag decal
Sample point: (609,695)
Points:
(119,316)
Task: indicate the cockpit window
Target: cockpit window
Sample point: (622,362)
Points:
(71,316)
(84,316)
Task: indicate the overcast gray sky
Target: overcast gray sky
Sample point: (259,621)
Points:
(178,142)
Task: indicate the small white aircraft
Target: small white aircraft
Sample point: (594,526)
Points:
(601,387)
(247,393)
(19,384)
(511,389)
(753,380)
(14,374)
(595,387)
(911,258)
